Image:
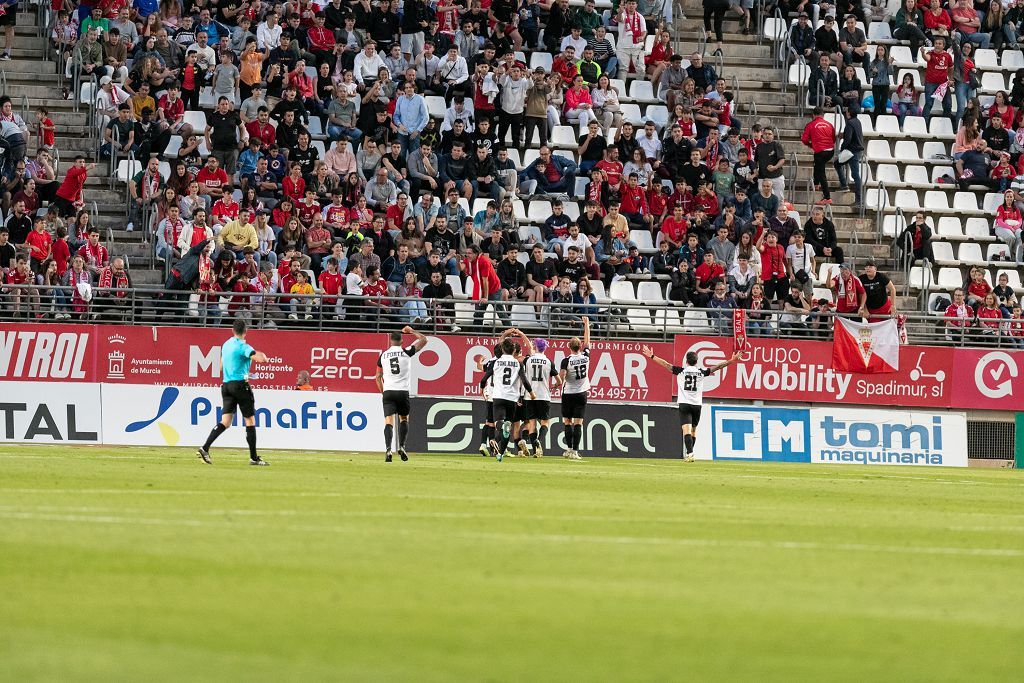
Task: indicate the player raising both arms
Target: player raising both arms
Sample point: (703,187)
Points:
(487,430)
(540,370)
(235,357)
(690,391)
(575,379)
(510,378)
(393,383)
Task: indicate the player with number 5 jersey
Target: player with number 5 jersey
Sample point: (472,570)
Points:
(690,392)
(575,378)
(394,374)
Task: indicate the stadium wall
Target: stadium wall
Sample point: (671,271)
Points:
(796,371)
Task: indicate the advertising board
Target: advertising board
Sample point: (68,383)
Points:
(31,412)
(833,436)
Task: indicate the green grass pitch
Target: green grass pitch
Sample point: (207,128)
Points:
(131,564)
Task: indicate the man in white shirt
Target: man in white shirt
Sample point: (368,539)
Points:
(452,72)
(632,35)
(800,262)
(425,64)
(576,39)
(649,141)
(206,58)
(268,33)
(461,109)
(367,64)
(109,97)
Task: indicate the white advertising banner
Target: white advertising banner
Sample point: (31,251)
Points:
(833,435)
(145,415)
(35,412)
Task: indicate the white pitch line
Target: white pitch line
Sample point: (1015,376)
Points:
(550,538)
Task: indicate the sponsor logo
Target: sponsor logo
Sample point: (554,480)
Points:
(450,426)
(822,435)
(115,357)
(993,373)
(170,434)
(774,434)
(30,354)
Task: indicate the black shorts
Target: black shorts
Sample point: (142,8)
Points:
(689,414)
(489,411)
(504,410)
(537,410)
(396,402)
(10,17)
(573,406)
(238,396)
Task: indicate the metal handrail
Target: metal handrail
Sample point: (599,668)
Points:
(810,193)
(926,288)
(24,107)
(794,163)
(880,210)
(865,170)
(760,22)
(678,14)
(3,82)
(142,305)
(702,41)
(720,63)
(735,91)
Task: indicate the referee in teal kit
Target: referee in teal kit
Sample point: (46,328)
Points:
(235,358)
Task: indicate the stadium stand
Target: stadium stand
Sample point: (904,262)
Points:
(341,141)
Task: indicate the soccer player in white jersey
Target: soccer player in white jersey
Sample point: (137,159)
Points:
(510,379)
(487,430)
(393,375)
(540,370)
(575,378)
(690,392)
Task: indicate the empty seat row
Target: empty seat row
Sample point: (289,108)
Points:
(935,201)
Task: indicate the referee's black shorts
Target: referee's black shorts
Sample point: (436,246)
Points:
(238,396)
(689,414)
(396,403)
(573,406)
(504,410)
(537,410)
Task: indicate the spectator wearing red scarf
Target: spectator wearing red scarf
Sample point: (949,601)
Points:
(848,293)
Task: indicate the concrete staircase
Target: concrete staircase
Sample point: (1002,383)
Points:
(31,81)
(760,91)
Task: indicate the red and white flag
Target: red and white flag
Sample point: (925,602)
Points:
(739,330)
(866,347)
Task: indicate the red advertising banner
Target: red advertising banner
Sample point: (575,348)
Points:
(771,369)
(336,361)
(798,370)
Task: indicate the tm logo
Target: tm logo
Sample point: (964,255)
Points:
(773,434)
(170,434)
(450,426)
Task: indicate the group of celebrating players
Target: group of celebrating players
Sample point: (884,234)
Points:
(517,386)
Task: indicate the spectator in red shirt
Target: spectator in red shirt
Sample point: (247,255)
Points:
(633,204)
(773,268)
(318,242)
(977,288)
(848,293)
(294,186)
(706,200)
(61,251)
(225,209)
(673,228)
(484,285)
(376,289)
(990,318)
(708,274)
(959,316)
(938,69)
(212,178)
(41,244)
(21,274)
(171,112)
(261,129)
(820,136)
(69,194)
(332,285)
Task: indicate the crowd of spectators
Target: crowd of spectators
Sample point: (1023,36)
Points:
(373,150)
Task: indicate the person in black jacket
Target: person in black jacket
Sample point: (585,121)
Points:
(820,233)
(829,81)
(915,242)
(801,38)
(664,262)
(183,278)
(853,142)
(684,284)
